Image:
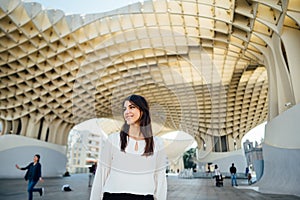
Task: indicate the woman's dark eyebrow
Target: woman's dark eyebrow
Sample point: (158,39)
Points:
(130,104)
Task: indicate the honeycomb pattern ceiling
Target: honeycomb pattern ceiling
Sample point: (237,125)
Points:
(199,63)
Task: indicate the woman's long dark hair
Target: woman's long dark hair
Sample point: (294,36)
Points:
(145,124)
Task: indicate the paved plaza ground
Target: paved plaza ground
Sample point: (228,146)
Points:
(178,189)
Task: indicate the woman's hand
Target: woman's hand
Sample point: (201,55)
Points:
(17,166)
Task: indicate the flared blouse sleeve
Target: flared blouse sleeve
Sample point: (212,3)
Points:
(160,171)
(103,170)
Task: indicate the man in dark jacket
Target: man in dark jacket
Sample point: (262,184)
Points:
(233,175)
(33,175)
(92,173)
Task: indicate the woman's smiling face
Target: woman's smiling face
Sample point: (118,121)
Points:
(131,113)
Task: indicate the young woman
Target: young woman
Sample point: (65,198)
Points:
(218,176)
(132,163)
(33,175)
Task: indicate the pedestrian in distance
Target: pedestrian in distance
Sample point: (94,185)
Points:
(249,178)
(33,175)
(247,171)
(92,170)
(132,162)
(218,176)
(232,170)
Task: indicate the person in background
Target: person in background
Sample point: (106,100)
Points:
(249,178)
(217,171)
(92,170)
(232,170)
(218,176)
(33,175)
(132,163)
(247,171)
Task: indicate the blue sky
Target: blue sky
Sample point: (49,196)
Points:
(83,6)
(256,134)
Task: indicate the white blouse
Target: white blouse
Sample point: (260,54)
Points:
(129,171)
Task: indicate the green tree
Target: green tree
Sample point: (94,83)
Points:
(189,158)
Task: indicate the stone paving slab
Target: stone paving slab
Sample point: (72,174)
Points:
(178,189)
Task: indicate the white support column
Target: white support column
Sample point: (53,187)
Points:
(238,142)
(44,131)
(280,87)
(281,153)
(32,128)
(7,127)
(15,126)
(24,124)
(60,133)
(231,145)
(291,41)
(2,123)
(285,93)
(53,130)
(66,134)
(209,143)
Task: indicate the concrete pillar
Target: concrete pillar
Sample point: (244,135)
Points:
(44,130)
(280,86)
(32,128)
(210,144)
(7,127)
(238,142)
(60,134)
(2,123)
(15,126)
(53,129)
(231,143)
(290,38)
(56,132)
(281,153)
(66,133)
(24,122)
(200,142)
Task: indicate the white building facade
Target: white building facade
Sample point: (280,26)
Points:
(83,150)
